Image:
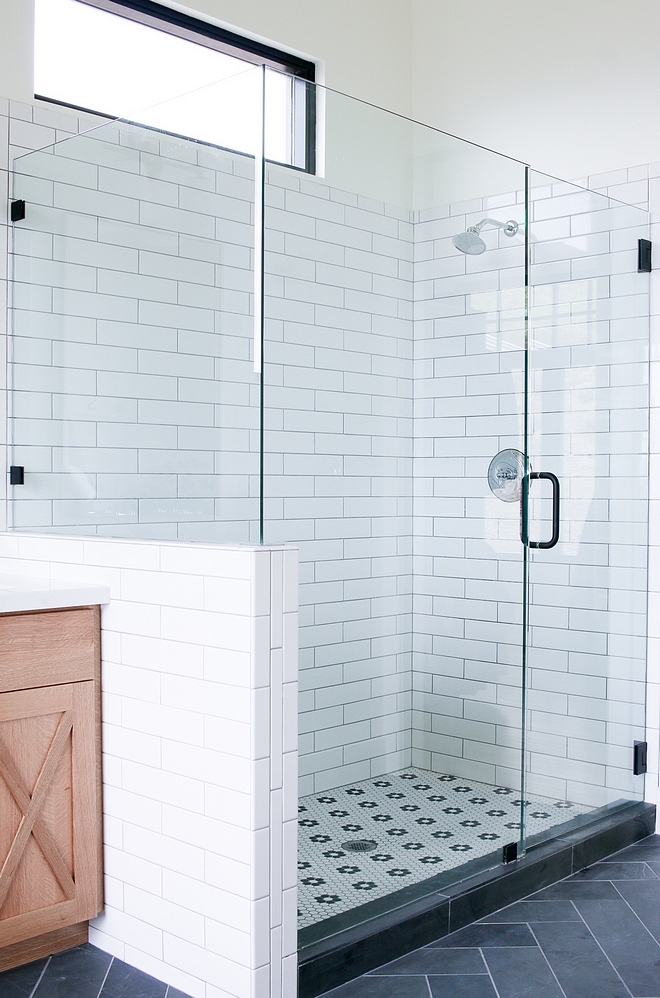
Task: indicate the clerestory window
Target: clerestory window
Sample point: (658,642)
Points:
(157,66)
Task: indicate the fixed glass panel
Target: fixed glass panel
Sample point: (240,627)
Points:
(588,426)
(393,374)
(134,402)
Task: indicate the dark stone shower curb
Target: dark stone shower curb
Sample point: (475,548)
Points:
(354,949)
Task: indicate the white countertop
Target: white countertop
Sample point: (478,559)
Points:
(19,593)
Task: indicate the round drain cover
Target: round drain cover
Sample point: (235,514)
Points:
(359,845)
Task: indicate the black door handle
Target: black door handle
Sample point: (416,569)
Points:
(524,532)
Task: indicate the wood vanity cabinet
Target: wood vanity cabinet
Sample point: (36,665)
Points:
(50,781)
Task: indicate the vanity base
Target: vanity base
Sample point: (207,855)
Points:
(29,950)
(51,868)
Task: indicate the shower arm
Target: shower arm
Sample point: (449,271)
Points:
(510,227)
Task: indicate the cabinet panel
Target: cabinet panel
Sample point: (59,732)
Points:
(37,649)
(49,828)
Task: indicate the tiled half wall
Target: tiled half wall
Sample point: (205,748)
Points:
(199,679)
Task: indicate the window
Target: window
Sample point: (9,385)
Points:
(140,60)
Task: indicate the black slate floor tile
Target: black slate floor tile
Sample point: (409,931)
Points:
(128,982)
(648,848)
(616,871)
(433,960)
(20,982)
(78,973)
(574,890)
(382,987)
(634,953)
(465,986)
(535,911)
(481,934)
(577,960)
(616,899)
(522,973)
(644,899)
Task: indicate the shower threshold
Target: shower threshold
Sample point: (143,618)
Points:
(360,938)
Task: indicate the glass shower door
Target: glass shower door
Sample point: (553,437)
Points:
(585,522)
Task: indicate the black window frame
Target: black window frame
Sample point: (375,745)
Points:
(201,32)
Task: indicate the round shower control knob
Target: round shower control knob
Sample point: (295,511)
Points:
(505,475)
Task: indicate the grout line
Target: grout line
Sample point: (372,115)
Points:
(615,856)
(495,988)
(34,989)
(106,977)
(552,970)
(654,874)
(599,945)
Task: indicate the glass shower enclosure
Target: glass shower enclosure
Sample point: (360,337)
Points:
(420,362)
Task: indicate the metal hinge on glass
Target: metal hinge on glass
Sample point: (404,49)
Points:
(17,211)
(17,474)
(510,852)
(644,247)
(640,752)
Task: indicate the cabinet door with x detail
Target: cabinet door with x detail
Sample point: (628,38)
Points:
(48,810)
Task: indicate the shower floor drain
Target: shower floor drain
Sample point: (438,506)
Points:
(359,845)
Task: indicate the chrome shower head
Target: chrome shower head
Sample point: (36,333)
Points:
(470,241)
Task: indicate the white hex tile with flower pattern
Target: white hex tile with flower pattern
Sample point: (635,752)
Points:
(422,823)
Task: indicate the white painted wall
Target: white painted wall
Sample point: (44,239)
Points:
(364,45)
(16,48)
(569,86)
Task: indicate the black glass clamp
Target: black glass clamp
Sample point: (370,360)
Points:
(17,211)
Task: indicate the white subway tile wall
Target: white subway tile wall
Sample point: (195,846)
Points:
(469,405)
(135,402)
(588,424)
(199,675)
(641,185)
(338,465)
(23,128)
(339,438)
